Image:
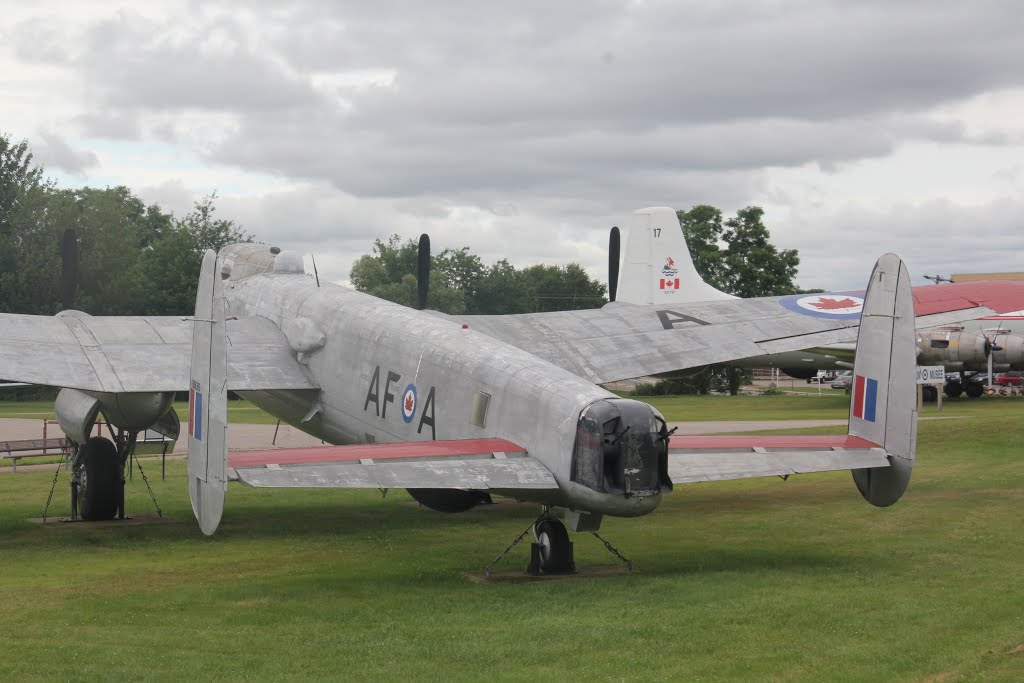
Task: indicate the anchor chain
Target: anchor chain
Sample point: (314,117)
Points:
(149,488)
(53,486)
(487,569)
(616,553)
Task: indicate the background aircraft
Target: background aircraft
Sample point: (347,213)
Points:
(450,407)
(657,269)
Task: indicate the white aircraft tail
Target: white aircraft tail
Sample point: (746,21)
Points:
(207,440)
(656,266)
(883,407)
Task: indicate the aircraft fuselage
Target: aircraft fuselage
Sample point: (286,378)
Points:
(390,373)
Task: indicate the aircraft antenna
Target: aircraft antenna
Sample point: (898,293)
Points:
(315,273)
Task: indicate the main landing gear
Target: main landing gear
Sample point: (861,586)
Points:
(99,490)
(551,553)
(98,474)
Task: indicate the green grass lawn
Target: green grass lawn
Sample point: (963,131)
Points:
(756,580)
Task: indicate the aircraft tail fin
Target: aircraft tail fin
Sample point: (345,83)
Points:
(656,265)
(883,406)
(207,440)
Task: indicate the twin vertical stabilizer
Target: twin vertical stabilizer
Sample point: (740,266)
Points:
(656,265)
(883,406)
(207,440)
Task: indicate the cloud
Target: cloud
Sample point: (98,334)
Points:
(526,130)
(837,248)
(52,150)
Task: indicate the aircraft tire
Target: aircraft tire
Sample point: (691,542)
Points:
(929,394)
(974,390)
(99,484)
(555,548)
(954,389)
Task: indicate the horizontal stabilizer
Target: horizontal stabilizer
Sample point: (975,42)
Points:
(715,458)
(456,464)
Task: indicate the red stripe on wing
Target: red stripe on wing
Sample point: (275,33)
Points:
(377,451)
(1002,296)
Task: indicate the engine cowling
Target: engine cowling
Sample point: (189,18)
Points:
(800,373)
(1007,350)
(954,349)
(77,412)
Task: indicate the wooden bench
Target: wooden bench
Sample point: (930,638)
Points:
(32,448)
(54,446)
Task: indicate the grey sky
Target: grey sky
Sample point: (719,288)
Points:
(526,131)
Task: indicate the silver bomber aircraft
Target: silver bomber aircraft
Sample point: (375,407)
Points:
(454,408)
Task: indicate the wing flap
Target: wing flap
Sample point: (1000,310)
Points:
(456,464)
(696,459)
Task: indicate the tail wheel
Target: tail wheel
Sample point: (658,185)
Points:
(555,548)
(100,480)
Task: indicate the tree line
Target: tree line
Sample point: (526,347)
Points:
(460,283)
(133,258)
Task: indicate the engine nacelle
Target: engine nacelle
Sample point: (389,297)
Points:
(450,500)
(77,412)
(135,411)
(954,349)
(800,373)
(1007,350)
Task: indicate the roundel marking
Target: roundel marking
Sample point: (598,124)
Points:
(840,306)
(409,403)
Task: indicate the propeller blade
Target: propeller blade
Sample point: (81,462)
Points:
(422,272)
(68,268)
(613,263)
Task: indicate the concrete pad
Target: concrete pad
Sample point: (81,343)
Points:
(520,575)
(147,519)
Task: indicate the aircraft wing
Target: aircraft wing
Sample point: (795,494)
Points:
(129,353)
(713,458)
(623,341)
(477,464)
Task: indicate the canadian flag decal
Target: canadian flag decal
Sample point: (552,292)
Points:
(666,283)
